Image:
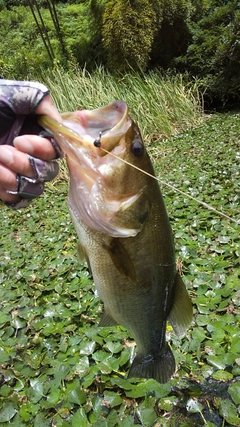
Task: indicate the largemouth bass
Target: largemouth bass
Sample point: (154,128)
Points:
(124,231)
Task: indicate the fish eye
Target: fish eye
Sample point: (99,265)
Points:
(137,148)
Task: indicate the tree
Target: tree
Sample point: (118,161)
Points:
(214,53)
(128,32)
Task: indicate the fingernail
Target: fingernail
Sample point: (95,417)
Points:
(23,144)
(6,156)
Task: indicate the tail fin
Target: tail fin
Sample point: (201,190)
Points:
(160,368)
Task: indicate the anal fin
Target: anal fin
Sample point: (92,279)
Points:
(181,313)
(107,320)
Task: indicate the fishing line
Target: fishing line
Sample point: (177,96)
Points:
(209,207)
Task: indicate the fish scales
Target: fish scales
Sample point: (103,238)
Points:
(124,232)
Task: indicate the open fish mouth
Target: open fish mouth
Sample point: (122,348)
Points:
(95,143)
(81,129)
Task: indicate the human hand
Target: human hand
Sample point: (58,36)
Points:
(25,166)
(15,162)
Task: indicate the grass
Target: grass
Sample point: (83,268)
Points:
(164,105)
(58,369)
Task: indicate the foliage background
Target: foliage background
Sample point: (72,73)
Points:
(197,36)
(58,368)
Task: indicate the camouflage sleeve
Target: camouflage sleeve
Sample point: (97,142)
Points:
(22,97)
(18,100)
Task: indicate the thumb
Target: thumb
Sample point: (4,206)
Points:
(47,107)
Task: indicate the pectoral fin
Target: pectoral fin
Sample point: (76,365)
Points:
(121,259)
(82,256)
(181,313)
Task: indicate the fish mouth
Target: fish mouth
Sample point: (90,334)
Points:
(90,129)
(95,143)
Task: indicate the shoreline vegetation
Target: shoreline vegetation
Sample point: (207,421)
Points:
(164,104)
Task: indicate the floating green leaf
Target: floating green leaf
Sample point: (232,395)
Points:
(194,406)
(112,399)
(7,412)
(234,391)
(222,375)
(229,412)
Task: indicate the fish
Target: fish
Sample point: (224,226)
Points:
(124,231)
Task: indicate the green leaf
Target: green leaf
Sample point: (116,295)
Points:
(146,412)
(4,318)
(234,391)
(194,406)
(25,413)
(216,361)
(80,419)
(149,387)
(40,421)
(113,399)
(229,412)
(114,347)
(87,347)
(77,396)
(35,393)
(83,365)
(53,396)
(7,412)
(222,375)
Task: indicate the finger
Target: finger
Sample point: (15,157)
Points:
(8,180)
(35,146)
(46,107)
(13,161)
(6,197)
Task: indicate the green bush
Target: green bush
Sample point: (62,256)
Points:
(128,33)
(214,53)
(74,20)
